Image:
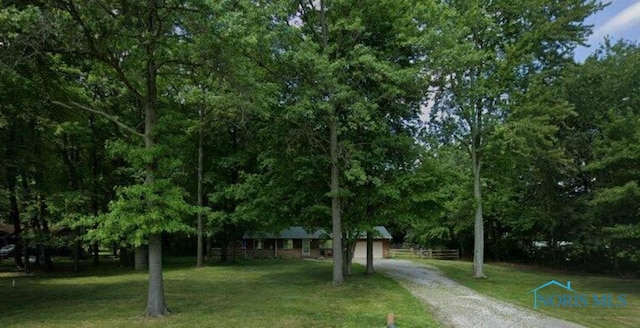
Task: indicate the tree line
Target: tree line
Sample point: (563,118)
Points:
(464,124)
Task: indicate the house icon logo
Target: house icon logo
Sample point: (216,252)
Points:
(547,284)
(569,298)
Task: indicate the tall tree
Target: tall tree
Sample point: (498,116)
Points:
(503,45)
(231,93)
(604,141)
(27,76)
(348,69)
(135,43)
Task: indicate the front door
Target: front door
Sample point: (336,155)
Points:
(306,247)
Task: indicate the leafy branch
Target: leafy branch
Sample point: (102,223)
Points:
(99,112)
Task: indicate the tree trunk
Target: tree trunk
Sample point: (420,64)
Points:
(224,243)
(347,267)
(200,252)
(47,248)
(26,195)
(14,215)
(95,201)
(478,251)
(336,219)
(39,217)
(155,301)
(25,249)
(70,159)
(14,210)
(42,222)
(349,249)
(369,253)
(156,305)
(124,257)
(141,258)
(96,253)
(77,249)
(208,248)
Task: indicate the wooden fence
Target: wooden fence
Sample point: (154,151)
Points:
(216,253)
(437,254)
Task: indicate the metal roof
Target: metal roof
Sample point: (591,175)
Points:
(301,233)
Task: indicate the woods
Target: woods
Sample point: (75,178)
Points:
(134,125)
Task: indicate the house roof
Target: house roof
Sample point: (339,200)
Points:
(301,233)
(380,233)
(290,233)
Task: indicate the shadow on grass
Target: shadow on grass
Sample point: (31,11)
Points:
(249,290)
(63,268)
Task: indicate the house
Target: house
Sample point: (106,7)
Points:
(295,242)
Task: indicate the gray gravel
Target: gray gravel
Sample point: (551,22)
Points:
(458,306)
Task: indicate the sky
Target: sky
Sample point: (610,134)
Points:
(619,20)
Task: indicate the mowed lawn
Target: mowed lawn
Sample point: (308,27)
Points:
(513,284)
(266,293)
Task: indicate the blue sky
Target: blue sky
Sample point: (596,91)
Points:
(619,20)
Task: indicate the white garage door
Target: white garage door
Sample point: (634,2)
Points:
(361,250)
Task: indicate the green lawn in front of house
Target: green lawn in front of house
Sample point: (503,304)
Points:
(260,293)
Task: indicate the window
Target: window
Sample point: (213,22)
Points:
(287,244)
(257,244)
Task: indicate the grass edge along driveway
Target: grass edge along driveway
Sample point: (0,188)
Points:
(512,283)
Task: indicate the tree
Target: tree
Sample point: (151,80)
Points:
(349,68)
(505,44)
(136,43)
(525,162)
(433,201)
(27,76)
(604,143)
(232,92)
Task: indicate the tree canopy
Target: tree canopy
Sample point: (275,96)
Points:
(133,125)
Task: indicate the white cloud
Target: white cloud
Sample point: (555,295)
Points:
(625,19)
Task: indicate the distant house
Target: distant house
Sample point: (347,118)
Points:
(295,242)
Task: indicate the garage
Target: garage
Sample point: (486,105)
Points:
(361,250)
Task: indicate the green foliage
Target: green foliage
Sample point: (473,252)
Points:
(554,143)
(496,97)
(435,202)
(615,154)
(143,210)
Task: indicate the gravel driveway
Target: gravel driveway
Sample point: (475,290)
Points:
(458,306)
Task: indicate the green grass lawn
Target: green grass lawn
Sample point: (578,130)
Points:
(513,284)
(268,293)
